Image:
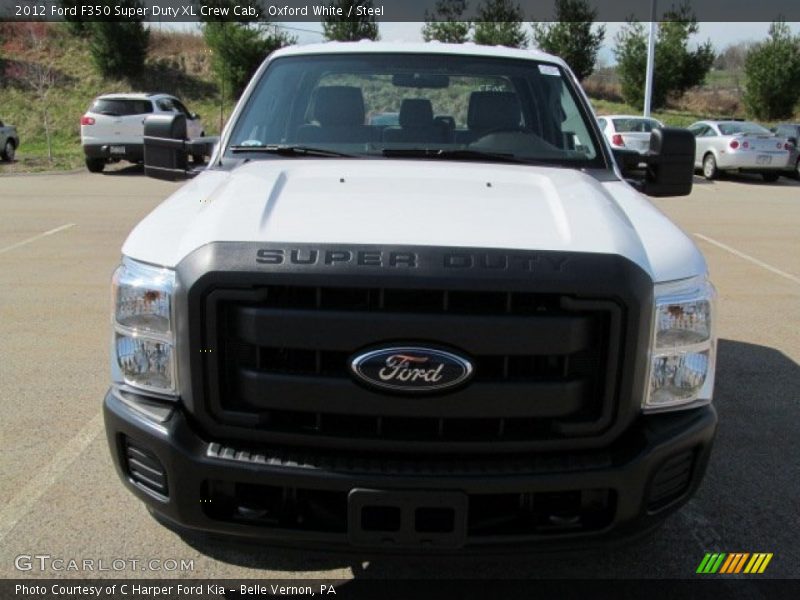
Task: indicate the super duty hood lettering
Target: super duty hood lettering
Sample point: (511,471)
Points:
(459,260)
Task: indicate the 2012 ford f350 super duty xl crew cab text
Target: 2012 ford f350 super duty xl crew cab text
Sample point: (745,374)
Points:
(464,327)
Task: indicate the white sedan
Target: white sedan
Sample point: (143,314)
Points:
(628,131)
(739,146)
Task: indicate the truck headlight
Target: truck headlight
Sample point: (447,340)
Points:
(143,339)
(683,349)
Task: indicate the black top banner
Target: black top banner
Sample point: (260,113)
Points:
(381,10)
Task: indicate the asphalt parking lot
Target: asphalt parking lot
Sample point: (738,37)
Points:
(60,238)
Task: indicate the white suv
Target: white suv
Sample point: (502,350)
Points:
(113,127)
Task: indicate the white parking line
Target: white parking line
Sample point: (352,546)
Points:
(36,237)
(44,478)
(749,258)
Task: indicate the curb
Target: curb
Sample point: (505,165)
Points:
(41,173)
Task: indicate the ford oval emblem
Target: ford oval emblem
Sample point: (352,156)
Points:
(411,369)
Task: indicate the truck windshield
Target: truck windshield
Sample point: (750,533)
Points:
(448,107)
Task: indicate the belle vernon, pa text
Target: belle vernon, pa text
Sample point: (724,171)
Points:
(169,591)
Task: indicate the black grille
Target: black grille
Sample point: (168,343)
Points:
(144,468)
(545,364)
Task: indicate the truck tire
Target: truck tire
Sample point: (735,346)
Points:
(95,165)
(770,177)
(9,150)
(710,170)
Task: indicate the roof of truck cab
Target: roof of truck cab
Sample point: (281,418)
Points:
(368,46)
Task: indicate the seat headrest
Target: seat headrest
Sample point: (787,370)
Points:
(416,112)
(493,110)
(339,105)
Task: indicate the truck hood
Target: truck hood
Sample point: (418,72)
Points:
(423,203)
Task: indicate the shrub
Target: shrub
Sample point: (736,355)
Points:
(499,22)
(344,29)
(119,49)
(445,24)
(570,36)
(772,74)
(676,70)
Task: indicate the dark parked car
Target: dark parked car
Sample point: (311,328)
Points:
(791,131)
(9,141)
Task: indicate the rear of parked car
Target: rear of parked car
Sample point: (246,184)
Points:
(113,127)
(739,146)
(629,132)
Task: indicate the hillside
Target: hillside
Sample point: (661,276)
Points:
(177,63)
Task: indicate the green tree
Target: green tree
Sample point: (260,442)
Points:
(75,25)
(772,74)
(446,23)
(119,48)
(571,37)
(239,47)
(350,27)
(500,22)
(676,69)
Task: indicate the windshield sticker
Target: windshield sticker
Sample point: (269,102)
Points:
(549,70)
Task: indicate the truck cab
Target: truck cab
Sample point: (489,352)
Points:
(465,329)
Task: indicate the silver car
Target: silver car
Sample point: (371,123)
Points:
(628,131)
(739,146)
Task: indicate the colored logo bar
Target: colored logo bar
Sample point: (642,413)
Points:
(734,562)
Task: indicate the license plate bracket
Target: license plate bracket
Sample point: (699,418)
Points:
(763,159)
(407,519)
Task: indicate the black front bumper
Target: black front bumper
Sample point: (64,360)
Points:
(306,498)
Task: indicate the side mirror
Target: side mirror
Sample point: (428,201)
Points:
(166,149)
(165,155)
(667,169)
(670,162)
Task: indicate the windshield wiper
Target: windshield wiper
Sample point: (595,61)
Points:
(454,155)
(289,150)
(470,154)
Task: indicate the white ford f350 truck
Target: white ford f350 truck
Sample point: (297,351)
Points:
(468,329)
